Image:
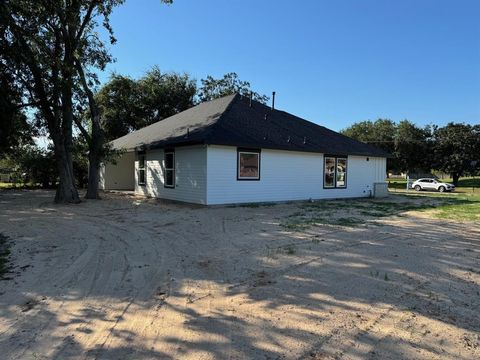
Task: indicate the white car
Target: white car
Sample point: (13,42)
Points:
(432,184)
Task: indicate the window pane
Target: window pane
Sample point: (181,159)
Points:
(249,165)
(141,164)
(329,172)
(141,176)
(169,177)
(169,160)
(341,172)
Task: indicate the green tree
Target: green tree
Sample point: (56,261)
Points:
(411,147)
(456,149)
(15,130)
(36,166)
(230,84)
(51,50)
(39,43)
(127,104)
(380,133)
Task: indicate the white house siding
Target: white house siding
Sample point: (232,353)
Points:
(190,175)
(285,175)
(118,176)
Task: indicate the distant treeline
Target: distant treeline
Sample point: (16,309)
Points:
(453,149)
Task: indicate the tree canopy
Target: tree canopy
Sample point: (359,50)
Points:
(456,149)
(453,149)
(50,51)
(15,130)
(227,85)
(127,104)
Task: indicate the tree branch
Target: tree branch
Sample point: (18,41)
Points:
(82,129)
(86,20)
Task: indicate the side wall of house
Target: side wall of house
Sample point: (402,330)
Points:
(190,175)
(286,175)
(118,176)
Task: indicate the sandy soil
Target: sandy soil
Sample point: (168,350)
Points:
(130,279)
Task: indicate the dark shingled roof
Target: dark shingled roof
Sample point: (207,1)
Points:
(231,121)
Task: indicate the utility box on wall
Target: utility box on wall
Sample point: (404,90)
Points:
(380,189)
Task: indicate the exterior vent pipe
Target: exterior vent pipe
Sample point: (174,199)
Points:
(273,100)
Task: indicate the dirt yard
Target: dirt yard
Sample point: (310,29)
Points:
(126,278)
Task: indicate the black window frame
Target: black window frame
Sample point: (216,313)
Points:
(174,169)
(142,169)
(249,151)
(336,157)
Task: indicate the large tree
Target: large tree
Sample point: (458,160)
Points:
(227,85)
(380,133)
(40,42)
(51,49)
(407,142)
(127,104)
(15,130)
(411,147)
(456,149)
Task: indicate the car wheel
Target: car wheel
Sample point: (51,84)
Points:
(441,188)
(417,188)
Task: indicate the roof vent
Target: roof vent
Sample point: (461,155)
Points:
(273,100)
(251,96)
(266,116)
(188,132)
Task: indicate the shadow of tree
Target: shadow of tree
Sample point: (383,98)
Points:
(232,283)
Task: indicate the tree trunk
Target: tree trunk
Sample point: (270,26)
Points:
(93,176)
(455,177)
(66,190)
(94,156)
(62,139)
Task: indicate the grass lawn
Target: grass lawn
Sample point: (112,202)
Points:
(462,206)
(4,185)
(465,185)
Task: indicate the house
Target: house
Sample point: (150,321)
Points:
(235,150)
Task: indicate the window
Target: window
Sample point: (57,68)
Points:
(169,173)
(341,172)
(248,164)
(141,169)
(335,172)
(329,181)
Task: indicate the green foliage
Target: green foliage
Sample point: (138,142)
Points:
(380,133)
(411,147)
(127,104)
(453,149)
(230,84)
(37,166)
(15,130)
(456,149)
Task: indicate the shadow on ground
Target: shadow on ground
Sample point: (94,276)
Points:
(122,278)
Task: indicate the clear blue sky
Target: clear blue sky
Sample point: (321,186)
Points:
(331,62)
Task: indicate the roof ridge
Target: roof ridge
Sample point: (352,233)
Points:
(212,129)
